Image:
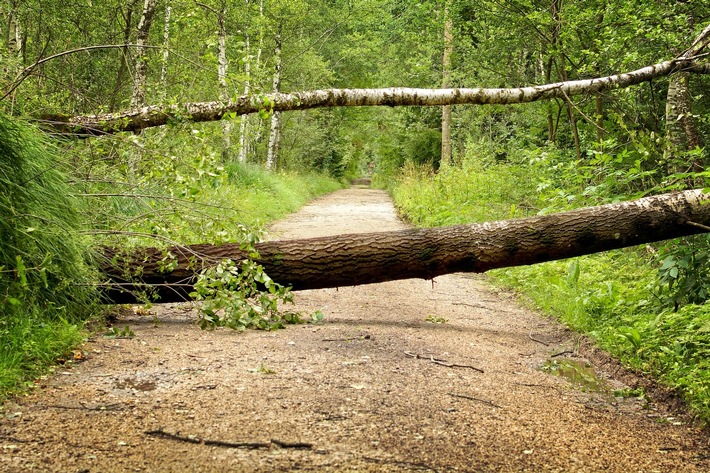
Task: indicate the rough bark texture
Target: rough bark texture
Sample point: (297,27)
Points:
(348,260)
(141,68)
(681,128)
(136,119)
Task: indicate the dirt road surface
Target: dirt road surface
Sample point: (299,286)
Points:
(401,376)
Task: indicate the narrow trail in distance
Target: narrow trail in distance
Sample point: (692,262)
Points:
(401,376)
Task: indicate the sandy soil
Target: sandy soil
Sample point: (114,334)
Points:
(401,376)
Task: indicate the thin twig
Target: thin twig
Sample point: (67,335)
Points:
(441,362)
(156,197)
(362,337)
(295,445)
(477,306)
(530,385)
(471,398)
(220,443)
(589,119)
(564,352)
(698,225)
(108,407)
(538,340)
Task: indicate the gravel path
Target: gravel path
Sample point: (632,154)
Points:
(401,376)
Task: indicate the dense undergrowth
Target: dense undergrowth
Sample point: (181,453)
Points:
(174,186)
(57,203)
(646,305)
(45,273)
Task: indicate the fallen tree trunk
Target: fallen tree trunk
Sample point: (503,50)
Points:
(354,259)
(137,119)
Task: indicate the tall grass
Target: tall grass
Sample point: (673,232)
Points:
(475,192)
(266,196)
(45,276)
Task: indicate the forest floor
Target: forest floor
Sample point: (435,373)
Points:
(400,376)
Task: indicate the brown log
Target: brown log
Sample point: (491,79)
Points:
(354,259)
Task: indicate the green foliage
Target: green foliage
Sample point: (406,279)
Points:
(614,302)
(684,272)
(45,277)
(171,186)
(242,296)
(476,192)
(114,332)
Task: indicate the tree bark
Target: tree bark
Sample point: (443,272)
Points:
(141,64)
(681,129)
(275,132)
(222,66)
(446,155)
(15,39)
(158,115)
(355,259)
(123,65)
(244,122)
(166,53)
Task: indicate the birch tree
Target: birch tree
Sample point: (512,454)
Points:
(275,130)
(681,128)
(446,157)
(245,122)
(166,51)
(141,61)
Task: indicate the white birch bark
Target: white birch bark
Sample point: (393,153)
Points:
(244,122)
(149,116)
(14,31)
(275,132)
(222,66)
(446,157)
(141,65)
(166,53)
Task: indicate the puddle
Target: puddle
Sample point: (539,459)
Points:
(577,372)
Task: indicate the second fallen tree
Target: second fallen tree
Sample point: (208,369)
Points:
(354,259)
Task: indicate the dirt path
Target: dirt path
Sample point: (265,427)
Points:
(367,389)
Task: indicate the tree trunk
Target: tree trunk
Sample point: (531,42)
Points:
(244,122)
(551,128)
(275,133)
(556,7)
(446,156)
(123,65)
(222,66)
(15,40)
(145,117)
(681,128)
(355,259)
(166,53)
(599,97)
(141,64)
